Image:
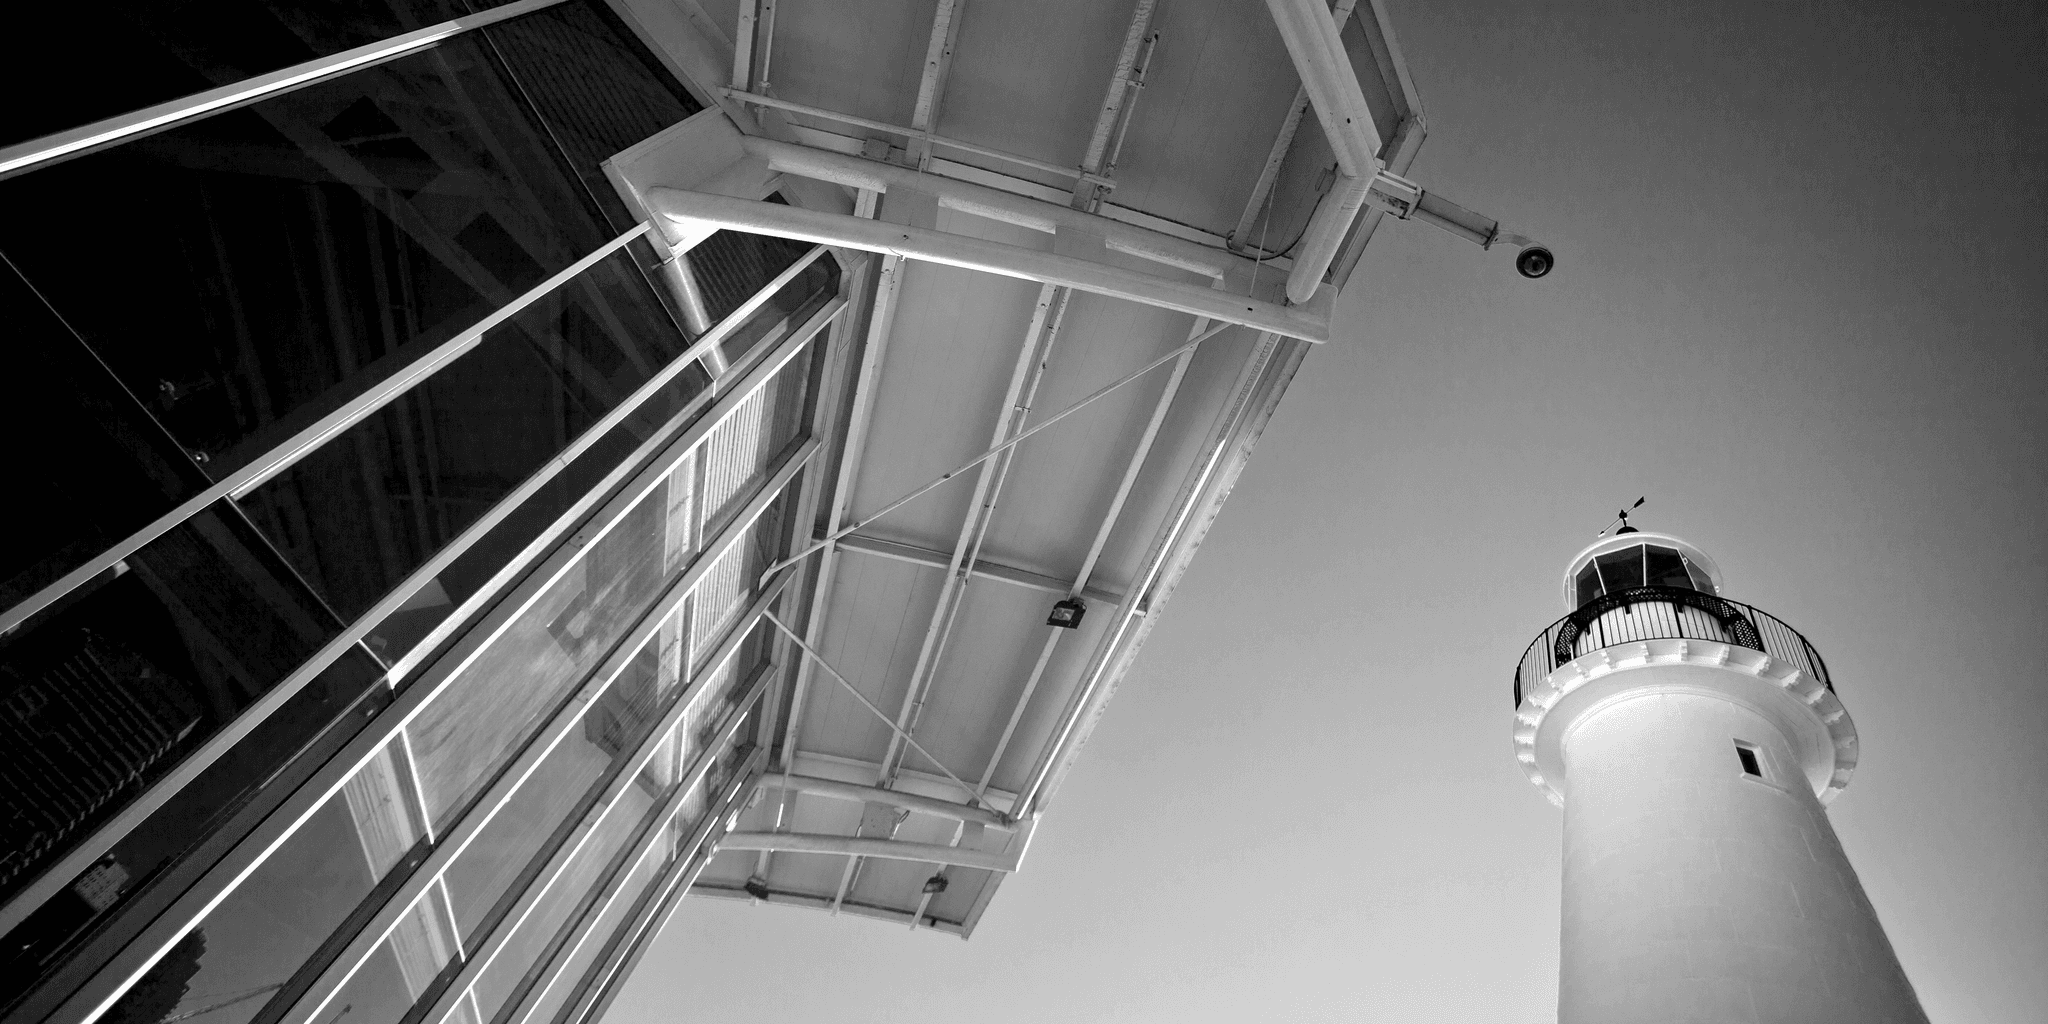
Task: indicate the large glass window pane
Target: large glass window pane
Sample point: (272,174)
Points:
(789,307)
(586,869)
(114,473)
(486,711)
(731,266)
(303,247)
(473,570)
(264,931)
(596,87)
(486,869)
(595,943)
(402,968)
(358,515)
(170,51)
(113,687)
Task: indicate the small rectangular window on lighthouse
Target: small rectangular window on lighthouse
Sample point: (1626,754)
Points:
(1750,764)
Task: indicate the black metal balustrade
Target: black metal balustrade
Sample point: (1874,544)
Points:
(1663,613)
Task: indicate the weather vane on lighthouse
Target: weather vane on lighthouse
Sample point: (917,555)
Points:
(1621,517)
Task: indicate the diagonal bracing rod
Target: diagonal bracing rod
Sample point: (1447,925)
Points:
(998,449)
(886,720)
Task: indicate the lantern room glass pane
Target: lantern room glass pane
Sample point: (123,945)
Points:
(1620,570)
(1665,568)
(1700,580)
(1588,584)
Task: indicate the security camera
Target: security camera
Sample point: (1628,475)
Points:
(1534,262)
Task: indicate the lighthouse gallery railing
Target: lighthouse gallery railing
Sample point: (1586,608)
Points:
(1663,613)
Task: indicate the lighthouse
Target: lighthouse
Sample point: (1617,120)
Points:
(1694,743)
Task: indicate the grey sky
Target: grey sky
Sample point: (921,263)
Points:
(1801,304)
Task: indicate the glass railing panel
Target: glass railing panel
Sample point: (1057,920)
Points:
(168,53)
(731,266)
(358,515)
(479,719)
(473,569)
(585,870)
(289,906)
(311,244)
(614,914)
(106,692)
(112,475)
(403,967)
(609,733)
(791,304)
(481,875)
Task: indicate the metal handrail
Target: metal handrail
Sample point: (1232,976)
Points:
(1663,613)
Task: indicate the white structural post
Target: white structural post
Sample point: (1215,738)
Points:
(1692,742)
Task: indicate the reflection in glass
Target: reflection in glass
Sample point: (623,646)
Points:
(361,513)
(1665,568)
(597,89)
(267,927)
(167,52)
(311,244)
(112,690)
(610,732)
(586,869)
(487,867)
(598,939)
(402,968)
(1700,580)
(479,720)
(1588,583)
(1620,570)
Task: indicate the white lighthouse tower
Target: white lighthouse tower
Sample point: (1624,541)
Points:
(1693,742)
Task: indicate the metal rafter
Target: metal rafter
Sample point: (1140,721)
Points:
(881,321)
(1282,142)
(931,86)
(997,571)
(1048,315)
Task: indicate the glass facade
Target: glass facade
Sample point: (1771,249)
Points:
(391,640)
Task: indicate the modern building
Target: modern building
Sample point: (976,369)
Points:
(484,472)
(1694,743)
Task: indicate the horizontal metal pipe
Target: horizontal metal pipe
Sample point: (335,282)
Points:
(986,256)
(851,846)
(902,131)
(993,203)
(894,798)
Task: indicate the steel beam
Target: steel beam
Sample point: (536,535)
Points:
(900,131)
(1309,323)
(897,551)
(852,846)
(931,85)
(997,204)
(895,798)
